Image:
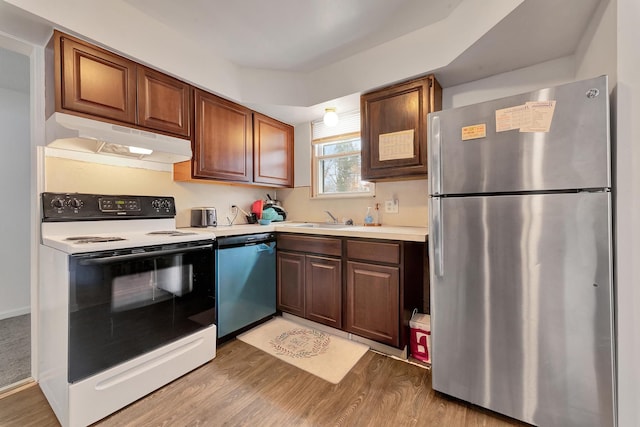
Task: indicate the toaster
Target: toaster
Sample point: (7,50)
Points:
(204,217)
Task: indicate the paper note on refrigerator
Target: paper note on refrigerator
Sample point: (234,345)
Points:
(533,116)
(474,132)
(539,116)
(510,118)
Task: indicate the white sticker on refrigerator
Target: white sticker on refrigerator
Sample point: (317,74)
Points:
(474,132)
(510,118)
(540,115)
(533,116)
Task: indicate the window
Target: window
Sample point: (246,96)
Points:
(336,159)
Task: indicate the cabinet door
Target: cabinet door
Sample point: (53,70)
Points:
(273,151)
(399,108)
(323,290)
(372,308)
(97,82)
(290,284)
(164,103)
(223,139)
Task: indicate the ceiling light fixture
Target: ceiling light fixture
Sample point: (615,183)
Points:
(330,117)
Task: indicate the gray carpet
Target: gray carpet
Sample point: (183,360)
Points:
(15,349)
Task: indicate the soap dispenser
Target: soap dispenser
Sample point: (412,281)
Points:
(368,219)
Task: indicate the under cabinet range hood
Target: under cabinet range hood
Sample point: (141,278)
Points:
(69,132)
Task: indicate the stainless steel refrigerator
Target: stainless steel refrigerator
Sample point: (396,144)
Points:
(520,244)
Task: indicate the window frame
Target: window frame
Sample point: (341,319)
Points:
(315,167)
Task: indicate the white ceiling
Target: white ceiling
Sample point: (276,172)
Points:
(302,36)
(293,35)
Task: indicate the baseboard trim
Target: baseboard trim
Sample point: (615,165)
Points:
(16,387)
(15,312)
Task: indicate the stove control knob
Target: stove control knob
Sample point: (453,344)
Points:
(75,203)
(156,204)
(58,202)
(164,204)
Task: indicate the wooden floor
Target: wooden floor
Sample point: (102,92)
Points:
(244,386)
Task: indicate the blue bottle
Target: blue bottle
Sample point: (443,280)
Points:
(368,219)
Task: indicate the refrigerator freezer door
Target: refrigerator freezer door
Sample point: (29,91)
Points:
(522,309)
(574,153)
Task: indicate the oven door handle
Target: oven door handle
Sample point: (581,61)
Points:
(142,254)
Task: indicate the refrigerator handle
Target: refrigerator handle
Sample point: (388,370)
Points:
(436,235)
(435,148)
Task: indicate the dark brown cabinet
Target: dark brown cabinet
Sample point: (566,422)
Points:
(384,284)
(164,103)
(309,278)
(94,82)
(290,282)
(323,290)
(234,144)
(272,151)
(394,129)
(222,140)
(372,308)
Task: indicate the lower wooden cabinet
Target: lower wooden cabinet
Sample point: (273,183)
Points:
(323,290)
(290,282)
(369,289)
(309,281)
(373,302)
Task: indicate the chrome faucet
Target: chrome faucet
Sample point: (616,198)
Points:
(335,220)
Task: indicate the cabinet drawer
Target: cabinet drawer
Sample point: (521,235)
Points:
(317,245)
(373,251)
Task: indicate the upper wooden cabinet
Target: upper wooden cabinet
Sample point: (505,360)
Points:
(234,144)
(222,140)
(96,83)
(394,129)
(272,151)
(163,102)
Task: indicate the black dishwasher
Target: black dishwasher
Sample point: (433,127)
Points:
(245,282)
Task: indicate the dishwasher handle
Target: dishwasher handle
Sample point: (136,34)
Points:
(245,240)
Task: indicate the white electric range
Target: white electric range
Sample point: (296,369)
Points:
(127,302)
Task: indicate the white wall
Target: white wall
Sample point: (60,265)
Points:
(64,175)
(550,73)
(15,187)
(302,154)
(596,53)
(627,141)
(412,197)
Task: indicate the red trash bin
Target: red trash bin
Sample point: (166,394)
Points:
(420,341)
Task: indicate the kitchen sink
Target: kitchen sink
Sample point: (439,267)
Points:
(319,225)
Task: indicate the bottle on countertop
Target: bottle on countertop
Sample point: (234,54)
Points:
(368,219)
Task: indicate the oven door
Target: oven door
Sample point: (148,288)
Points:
(125,303)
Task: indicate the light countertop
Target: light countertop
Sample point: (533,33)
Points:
(412,234)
